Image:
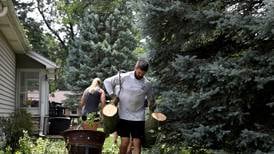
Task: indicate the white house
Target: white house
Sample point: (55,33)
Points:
(24,74)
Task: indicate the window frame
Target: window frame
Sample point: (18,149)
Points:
(19,92)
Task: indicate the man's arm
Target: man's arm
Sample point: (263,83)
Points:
(110,83)
(151,99)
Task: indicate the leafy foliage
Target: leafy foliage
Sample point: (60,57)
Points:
(71,101)
(109,147)
(28,144)
(12,127)
(90,119)
(214,62)
(105,45)
(175,149)
(41,41)
(40,145)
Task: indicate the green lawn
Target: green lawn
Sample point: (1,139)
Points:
(110,147)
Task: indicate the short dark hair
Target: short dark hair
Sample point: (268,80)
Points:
(142,64)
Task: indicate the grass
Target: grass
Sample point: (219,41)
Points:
(109,146)
(40,145)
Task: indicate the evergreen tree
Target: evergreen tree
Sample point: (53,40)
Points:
(214,62)
(105,45)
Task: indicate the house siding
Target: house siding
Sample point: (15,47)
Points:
(7,79)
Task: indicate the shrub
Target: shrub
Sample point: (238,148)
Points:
(259,141)
(214,64)
(12,128)
(174,149)
(40,145)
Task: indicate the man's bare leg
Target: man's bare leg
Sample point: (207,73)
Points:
(130,146)
(124,145)
(137,146)
(115,137)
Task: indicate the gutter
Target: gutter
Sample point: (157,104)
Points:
(4,10)
(7,10)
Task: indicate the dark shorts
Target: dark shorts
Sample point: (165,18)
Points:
(127,128)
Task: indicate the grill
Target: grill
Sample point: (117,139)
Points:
(57,120)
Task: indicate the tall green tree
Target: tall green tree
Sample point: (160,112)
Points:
(33,28)
(214,62)
(57,28)
(105,45)
(41,41)
(62,18)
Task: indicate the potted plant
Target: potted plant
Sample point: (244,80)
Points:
(90,124)
(85,138)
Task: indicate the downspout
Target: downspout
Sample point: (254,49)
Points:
(3,10)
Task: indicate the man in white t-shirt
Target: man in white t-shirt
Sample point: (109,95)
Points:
(135,88)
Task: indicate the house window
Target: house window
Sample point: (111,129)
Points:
(29,89)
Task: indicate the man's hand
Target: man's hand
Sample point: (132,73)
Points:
(114,99)
(152,106)
(112,96)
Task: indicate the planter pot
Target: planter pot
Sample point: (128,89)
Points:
(84,141)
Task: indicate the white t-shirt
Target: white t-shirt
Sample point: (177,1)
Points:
(132,96)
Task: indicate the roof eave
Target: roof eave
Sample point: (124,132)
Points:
(44,61)
(22,45)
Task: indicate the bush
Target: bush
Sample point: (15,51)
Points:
(12,128)
(40,146)
(259,141)
(215,67)
(174,149)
